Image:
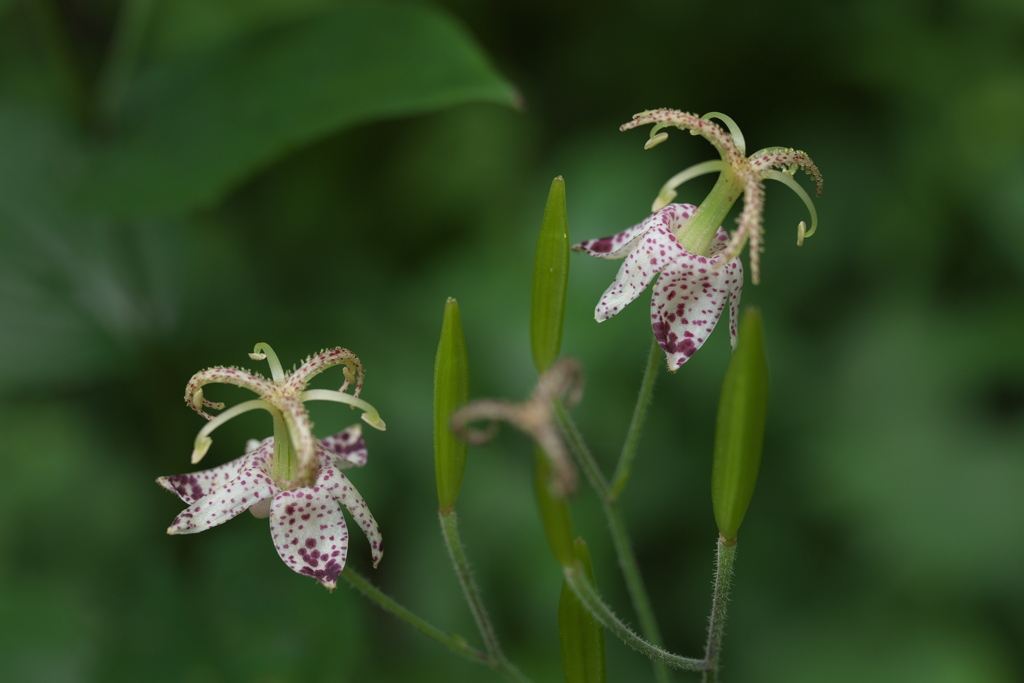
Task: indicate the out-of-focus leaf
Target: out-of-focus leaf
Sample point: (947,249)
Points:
(195,127)
(78,292)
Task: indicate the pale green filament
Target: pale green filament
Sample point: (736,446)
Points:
(787,180)
(263,351)
(203,440)
(734,130)
(657,137)
(370,414)
(285,462)
(668,190)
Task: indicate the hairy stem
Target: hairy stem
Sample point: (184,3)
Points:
(453,540)
(725,556)
(576,578)
(453,641)
(643,402)
(620,537)
(634,583)
(578,446)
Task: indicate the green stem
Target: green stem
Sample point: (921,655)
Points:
(453,540)
(724,559)
(620,536)
(589,597)
(576,443)
(453,641)
(634,583)
(629,448)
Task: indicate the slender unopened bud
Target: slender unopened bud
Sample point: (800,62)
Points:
(740,432)
(580,635)
(451,390)
(554,512)
(550,278)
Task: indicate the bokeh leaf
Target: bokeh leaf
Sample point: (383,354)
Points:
(194,127)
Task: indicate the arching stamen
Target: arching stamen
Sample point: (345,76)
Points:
(789,182)
(203,440)
(263,351)
(370,414)
(668,190)
(734,130)
(198,402)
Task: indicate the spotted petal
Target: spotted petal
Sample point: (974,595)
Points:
(656,249)
(193,486)
(689,299)
(249,487)
(348,448)
(619,245)
(343,490)
(309,532)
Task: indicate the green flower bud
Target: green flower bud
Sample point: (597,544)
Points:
(740,433)
(550,279)
(579,633)
(554,511)
(451,391)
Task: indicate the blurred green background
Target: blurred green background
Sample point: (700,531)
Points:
(310,173)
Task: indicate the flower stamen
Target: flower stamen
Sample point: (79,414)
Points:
(738,172)
(370,415)
(262,351)
(203,440)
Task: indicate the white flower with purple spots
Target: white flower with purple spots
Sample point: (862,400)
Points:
(739,175)
(698,261)
(306,523)
(292,478)
(692,291)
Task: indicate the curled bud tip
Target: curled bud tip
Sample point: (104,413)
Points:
(201,446)
(374,421)
(801,233)
(656,139)
(663,199)
(258,356)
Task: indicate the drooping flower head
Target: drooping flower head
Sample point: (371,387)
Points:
(738,174)
(697,260)
(291,477)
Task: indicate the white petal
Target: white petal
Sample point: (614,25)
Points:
(688,300)
(656,249)
(340,487)
(309,533)
(347,448)
(193,486)
(618,245)
(249,487)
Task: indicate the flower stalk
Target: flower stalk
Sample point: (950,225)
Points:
(725,557)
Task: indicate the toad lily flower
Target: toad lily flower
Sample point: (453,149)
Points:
(292,478)
(698,261)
